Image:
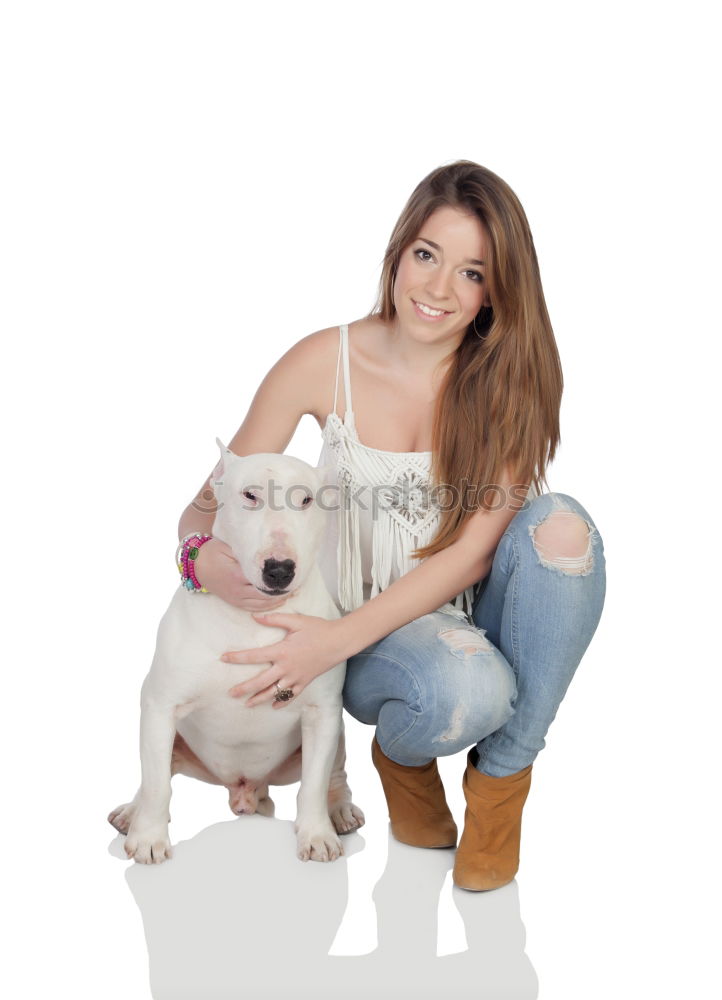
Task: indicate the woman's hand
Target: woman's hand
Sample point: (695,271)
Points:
(311,647)
(220,573)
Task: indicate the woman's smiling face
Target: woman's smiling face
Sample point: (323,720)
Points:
(440,283)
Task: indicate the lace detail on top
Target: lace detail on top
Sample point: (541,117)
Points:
(385,504)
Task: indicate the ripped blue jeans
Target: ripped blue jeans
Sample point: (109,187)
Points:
(443,683)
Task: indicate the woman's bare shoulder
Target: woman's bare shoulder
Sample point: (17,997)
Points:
(316,357)
(325,343)
(313,360)
(315,346)
(307,370)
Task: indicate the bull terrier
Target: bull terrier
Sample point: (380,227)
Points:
(269,515)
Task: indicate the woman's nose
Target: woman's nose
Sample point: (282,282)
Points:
(439,284)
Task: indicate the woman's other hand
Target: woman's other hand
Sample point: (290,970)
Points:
(311,647)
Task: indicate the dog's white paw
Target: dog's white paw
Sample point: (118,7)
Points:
(122,817)
(346,817)
(148,844)
(318,844)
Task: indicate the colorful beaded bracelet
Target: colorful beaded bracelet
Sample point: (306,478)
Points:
(185,556)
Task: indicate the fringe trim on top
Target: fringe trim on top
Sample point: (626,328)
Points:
(350,578)
(391,541)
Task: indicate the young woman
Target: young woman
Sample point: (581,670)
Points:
(470,596)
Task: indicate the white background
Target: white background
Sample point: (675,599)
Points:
(188,189)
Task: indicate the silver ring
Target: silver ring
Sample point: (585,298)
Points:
(283,694)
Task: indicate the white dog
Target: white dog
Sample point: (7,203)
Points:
(269,516)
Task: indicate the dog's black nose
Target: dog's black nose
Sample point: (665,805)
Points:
(278,575)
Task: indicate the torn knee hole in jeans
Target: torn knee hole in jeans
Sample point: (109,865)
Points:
(563,542)
(465,642)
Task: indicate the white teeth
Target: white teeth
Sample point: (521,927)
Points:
(429,311)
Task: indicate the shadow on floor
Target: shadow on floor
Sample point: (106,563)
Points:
(235,914)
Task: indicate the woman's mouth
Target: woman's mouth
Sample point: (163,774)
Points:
(428,312)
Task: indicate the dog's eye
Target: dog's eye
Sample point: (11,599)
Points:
(249,496)
(306,501)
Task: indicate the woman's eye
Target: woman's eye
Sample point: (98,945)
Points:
(475,275)
(420,252)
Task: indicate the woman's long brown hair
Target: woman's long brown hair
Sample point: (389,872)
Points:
(498,405)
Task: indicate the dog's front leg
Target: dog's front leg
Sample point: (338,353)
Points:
(147,839)
(316,837)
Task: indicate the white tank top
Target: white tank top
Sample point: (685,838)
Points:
(366,549)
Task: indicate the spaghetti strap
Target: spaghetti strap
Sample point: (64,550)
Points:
(343,350)
(338,365)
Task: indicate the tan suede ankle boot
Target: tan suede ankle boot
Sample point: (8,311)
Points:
(417,804)
(488,854)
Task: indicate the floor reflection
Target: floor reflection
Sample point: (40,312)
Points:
(235,914)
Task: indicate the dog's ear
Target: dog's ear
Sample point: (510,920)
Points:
(222,464)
